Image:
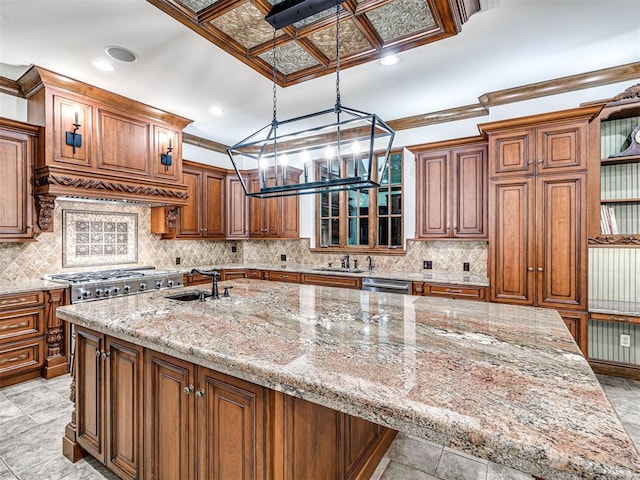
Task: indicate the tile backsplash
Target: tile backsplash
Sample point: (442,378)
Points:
(31,260)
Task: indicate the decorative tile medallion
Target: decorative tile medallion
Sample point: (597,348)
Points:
(99,238)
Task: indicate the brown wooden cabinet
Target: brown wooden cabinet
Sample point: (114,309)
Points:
(204,215)
(232,274)
(198,420)
(450,290)
(18,147)
(451,190)
(237,208)
(332,281)
(32,340)
(109,401)
(538,214)
(280,276)
(276,217)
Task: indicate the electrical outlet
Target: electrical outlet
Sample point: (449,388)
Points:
(283,258)
(465,266)
(625,340)
(234,249)
(178,260)
(427,264)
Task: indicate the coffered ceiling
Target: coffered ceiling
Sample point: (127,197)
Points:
(368,29)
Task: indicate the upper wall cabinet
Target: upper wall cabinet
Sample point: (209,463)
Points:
(18,143)
(451,189)
(521,148)
(98,144)
(277,217)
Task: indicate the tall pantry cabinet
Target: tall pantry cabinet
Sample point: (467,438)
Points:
(538,213)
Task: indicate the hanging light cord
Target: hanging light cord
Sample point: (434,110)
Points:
(275,98)
(337,56)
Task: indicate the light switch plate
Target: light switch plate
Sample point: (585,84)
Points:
(625,340)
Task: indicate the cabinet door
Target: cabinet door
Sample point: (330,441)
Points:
(511,241)
(361,436)
(230,416)
(168,417)
(432,193)
(469,212)
(511,153)
(562,147)
(189,224)
(576,323)
(123,144)
(213,205)
(561,234)
(256,209)
(90,392)
(290,212)
(16,169)
(237,209)
(124,408)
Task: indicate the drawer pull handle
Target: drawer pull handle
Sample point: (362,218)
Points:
(453,290)
(15,300)
(15,359)
(11,327)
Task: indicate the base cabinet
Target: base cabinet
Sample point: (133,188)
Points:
(145,414)
(109,401)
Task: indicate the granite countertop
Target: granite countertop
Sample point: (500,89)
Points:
(453,278)
(23,286)
(502,382)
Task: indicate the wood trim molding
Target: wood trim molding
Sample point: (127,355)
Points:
(595,78)
(204,143)
(10,87)
(572,114)
(458,142)
(441,116)
(610,240)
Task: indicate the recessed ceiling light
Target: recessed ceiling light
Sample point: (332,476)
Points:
(120,53)
(103,65)
(217,111)
(389,60)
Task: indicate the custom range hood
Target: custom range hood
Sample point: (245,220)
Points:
(99,145)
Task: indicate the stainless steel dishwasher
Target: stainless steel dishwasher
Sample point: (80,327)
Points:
(386,285)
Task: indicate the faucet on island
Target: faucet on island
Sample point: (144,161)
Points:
(214,274)
(370,266)
(345,262)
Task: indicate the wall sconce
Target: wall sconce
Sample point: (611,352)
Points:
(74,139)
(165,158)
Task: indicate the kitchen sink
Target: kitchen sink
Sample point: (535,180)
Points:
(190,297)
(338,270)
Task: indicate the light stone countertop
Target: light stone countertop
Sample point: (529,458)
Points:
(501,382)
(23,286)
(614,307)
(453,278)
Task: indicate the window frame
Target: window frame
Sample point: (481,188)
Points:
(372,216)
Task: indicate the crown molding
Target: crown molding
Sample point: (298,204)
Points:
(204,143)
(10,87)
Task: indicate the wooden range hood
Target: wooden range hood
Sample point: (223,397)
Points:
(119,155)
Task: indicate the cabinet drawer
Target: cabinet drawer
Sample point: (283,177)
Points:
(456,291)
(284,277)
(332,281)
(21,356)
(610,317)
(22,324)
(231,274)
(197,279)
(21,300)
(257,274)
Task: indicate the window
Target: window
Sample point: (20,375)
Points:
(361,219)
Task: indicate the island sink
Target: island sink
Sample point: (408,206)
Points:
(190,297)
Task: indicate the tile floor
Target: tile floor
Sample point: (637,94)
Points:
(33,416)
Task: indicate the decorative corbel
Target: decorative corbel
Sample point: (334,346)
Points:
(171,214)
(45,205)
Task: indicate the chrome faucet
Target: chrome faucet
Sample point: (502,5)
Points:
(345,262)
(214,274)
(370,265)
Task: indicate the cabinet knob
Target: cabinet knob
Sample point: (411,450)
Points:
(98,353)
(540,269)
(105,355)
(189,389)
(200,393)
(530,269)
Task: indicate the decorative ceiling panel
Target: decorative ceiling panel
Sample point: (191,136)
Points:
(245,24)
(352,40)
(369,29)
(290,58)
(401,18)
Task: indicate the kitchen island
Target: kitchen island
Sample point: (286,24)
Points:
(501,382)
